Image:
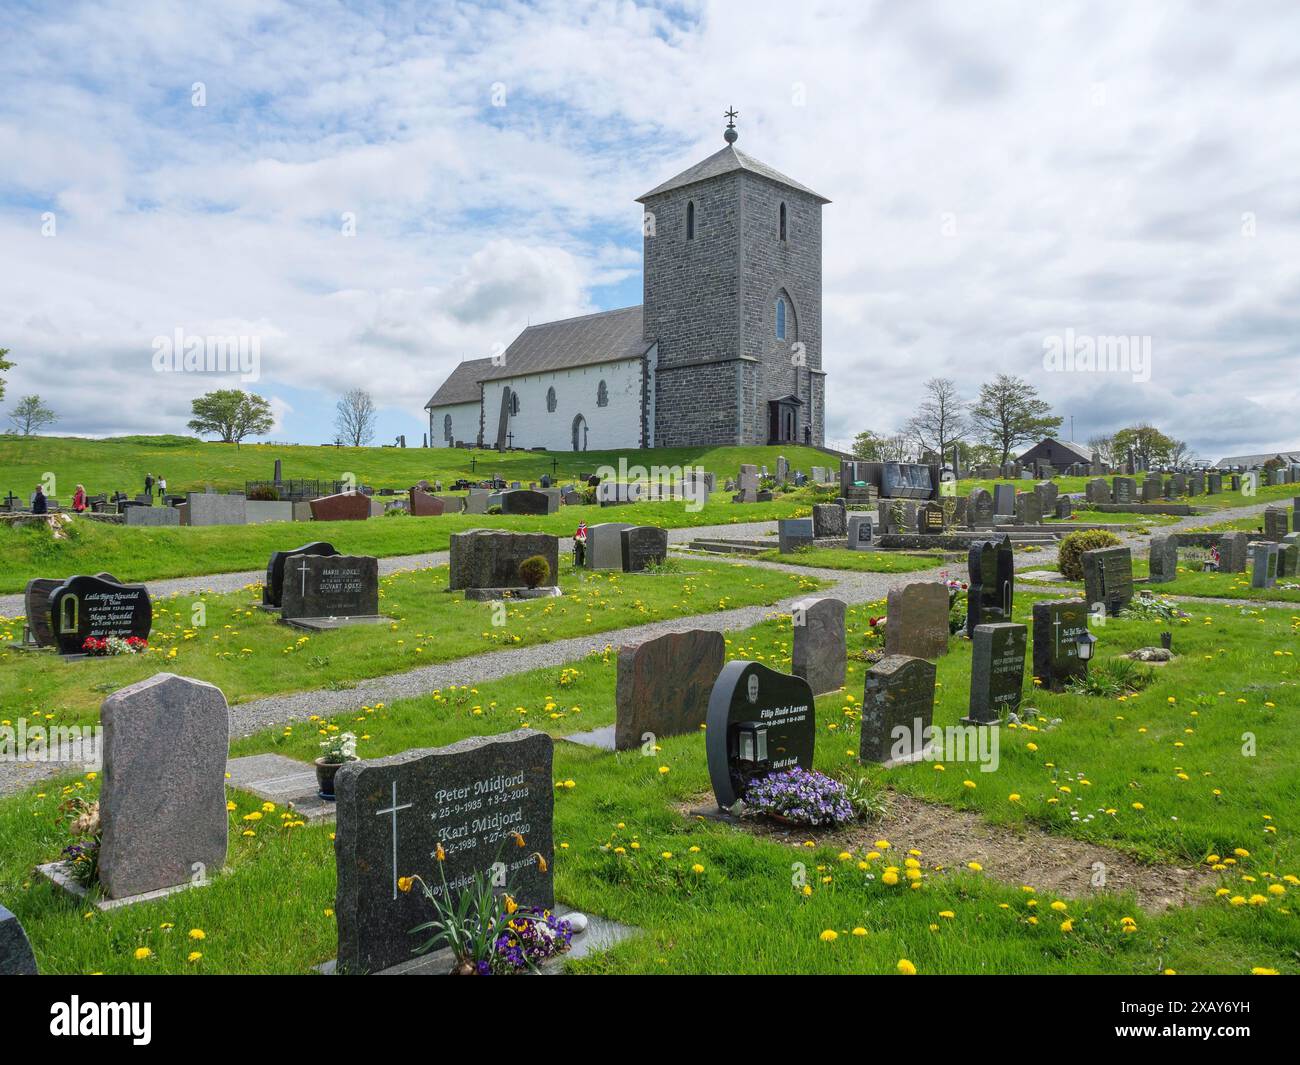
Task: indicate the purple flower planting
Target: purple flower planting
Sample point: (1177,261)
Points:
(803,796)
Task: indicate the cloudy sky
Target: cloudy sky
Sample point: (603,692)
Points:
(375,191)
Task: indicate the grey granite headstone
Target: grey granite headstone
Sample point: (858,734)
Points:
(1098,490)
(1029,509)
(477,501)
(1108,577)
(1275,523)
(1058,624)
(162,804)
(663,685)
(820,647)
(793,533)
(997,671)
(16,956)
(1004,499)
(330,586)
(1233,549)
(1125,490)
(605,545)
(861,532)
(1163,559)
(153,517)
(897,710)
(917,620)
(1263,563)
(470,799)
(210,508)
(979,509)
(828,521)
(36,607)
(490,558)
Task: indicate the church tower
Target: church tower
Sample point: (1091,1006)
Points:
(733,304)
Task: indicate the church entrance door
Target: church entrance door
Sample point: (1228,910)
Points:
(579,433)
(783,420)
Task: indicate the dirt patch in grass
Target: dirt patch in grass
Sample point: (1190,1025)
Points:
(950,838)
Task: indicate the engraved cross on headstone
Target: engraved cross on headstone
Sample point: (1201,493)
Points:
(394,810)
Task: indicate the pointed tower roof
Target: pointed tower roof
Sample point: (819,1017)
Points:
(726,161)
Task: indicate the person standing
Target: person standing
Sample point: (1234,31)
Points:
(148,486)
(39,504)
(162,488)
(79,499)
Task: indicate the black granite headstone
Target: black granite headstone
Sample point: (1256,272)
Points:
(1058,624)
(897,710)
(274,586)
(470,799)
(991,569)
(760,721)
(330,586)
(1108,577)
(997,672)
(16,957)
(643,545)
(82,607)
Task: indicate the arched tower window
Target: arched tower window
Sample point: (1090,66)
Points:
(446,428)
(780,318)
(782,222)
(690,219)
(514,402)
(602,395)
(550,400)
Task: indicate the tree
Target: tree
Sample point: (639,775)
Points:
(1148,445)
(939,421)
(869,446)
(231,414)
(1009,412)
(5,364)
(1103,446)
(32,415)
(355,417)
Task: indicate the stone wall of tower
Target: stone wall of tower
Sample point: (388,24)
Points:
(771,266)
(691,293)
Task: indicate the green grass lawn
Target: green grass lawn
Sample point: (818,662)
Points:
(248,653)
(189,464)
(862,561)
(1161,774)
(140,554)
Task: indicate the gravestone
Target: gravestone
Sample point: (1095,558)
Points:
(82,607)
(605,545)
(828,521)
(1233,549)
(16,956)
(330,586)
(1177,486)
(211,508)
(820,647)
(1108,578)
(861,532)
(426,505)
(162,804)
(897,710)
(643,546)
(1004,499)
(759,722)
(793,533)
(489,558)
(152,517)
(469,799)
(1275,523)
(1196,484)
(1153,488)
(1058,624)
(1264,563)
(979,509)
(273,589)
(1029,509)
(346,506)
(1288,559)
(917,620)
(1046,491)
(997,676)
(1213,484)
(36,607)
(1098,491)
(991,585)
(1125,490)
(782,469)
(528,501)
(930,519)
(664,685)
(1163,559)
(477,501)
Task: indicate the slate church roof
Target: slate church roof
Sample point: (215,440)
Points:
(588,340)
(1050,445)
(1258,460)
(724,162)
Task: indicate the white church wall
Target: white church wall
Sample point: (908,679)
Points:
(615,425)
(464,424)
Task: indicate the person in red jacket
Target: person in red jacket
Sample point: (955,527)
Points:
(580,544)
(79,499)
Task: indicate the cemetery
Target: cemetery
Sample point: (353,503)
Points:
(644,744)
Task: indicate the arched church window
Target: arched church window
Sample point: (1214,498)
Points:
(602,395)
(690,219)
(780,318)
(782,223)
(446,428)
(514,403)
(550,400)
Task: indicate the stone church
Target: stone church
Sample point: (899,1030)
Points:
(726,348)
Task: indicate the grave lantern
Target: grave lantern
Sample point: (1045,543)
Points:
(751,743)
(1084,645)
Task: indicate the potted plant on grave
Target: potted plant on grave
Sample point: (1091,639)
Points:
(534,571)
(487,932)
(81,856)
(798,796)
(335,751)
